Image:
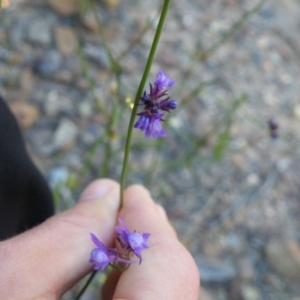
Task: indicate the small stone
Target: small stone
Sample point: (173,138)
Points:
(40,31)
(64,76)
(215,271)
(284,257)
(205,295)
(58,175)
(250,292)
(252,179)
(88,20)
(25,113)
(296,111)
(66,40)
(27,80)
(112,4)
(85,109)
(283,164)
(52,103)
(65,135)
(48,65)
(65,7)
(97,54)
(246,271)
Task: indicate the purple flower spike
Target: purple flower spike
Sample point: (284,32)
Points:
(155,101)
(163,81)
(132,241)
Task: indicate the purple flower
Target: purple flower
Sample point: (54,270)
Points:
(273,129)
(151,125)
(150,118)
(163,81)
(132,241)
(101,256)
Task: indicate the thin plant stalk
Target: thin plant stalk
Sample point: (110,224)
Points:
(113,63)
(137,98)
(86,285)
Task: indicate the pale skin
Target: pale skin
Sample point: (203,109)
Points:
(46,261)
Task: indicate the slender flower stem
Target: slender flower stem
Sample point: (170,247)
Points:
(86,285)
(137,97)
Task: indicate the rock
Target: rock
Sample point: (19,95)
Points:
(66,40)
(88,20)
(63,76)
(296,111)
(215,271)
(4,54)
(25,113)
(48,65)
(65,7)
(65,135)
(85,109)
(40,31)
(250,292)
(26,80)
(205,295)
(58,175)
(112,4)
(252,179)
(284,257)
(52,103)
(246,269)
(97,54)
(17,33)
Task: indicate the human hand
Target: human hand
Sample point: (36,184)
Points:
(168,271)
(46,261)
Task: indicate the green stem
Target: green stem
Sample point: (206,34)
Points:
(113,64)
(137,97)
(92,275)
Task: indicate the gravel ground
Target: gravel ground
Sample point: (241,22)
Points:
(237,213)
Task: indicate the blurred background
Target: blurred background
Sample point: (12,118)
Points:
(228,170)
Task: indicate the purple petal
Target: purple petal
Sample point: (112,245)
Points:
(123,224)
(142,123)
(98,243)
(155,129)
(146,236)
(163,81)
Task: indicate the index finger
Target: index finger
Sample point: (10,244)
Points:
(168,271)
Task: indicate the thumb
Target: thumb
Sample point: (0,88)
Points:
(44,262)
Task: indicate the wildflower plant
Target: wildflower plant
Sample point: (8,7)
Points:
(154,104)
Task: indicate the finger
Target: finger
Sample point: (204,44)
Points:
(168,271)
(110,284)
(46,261)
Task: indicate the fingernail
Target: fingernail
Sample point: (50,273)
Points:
(95,190)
